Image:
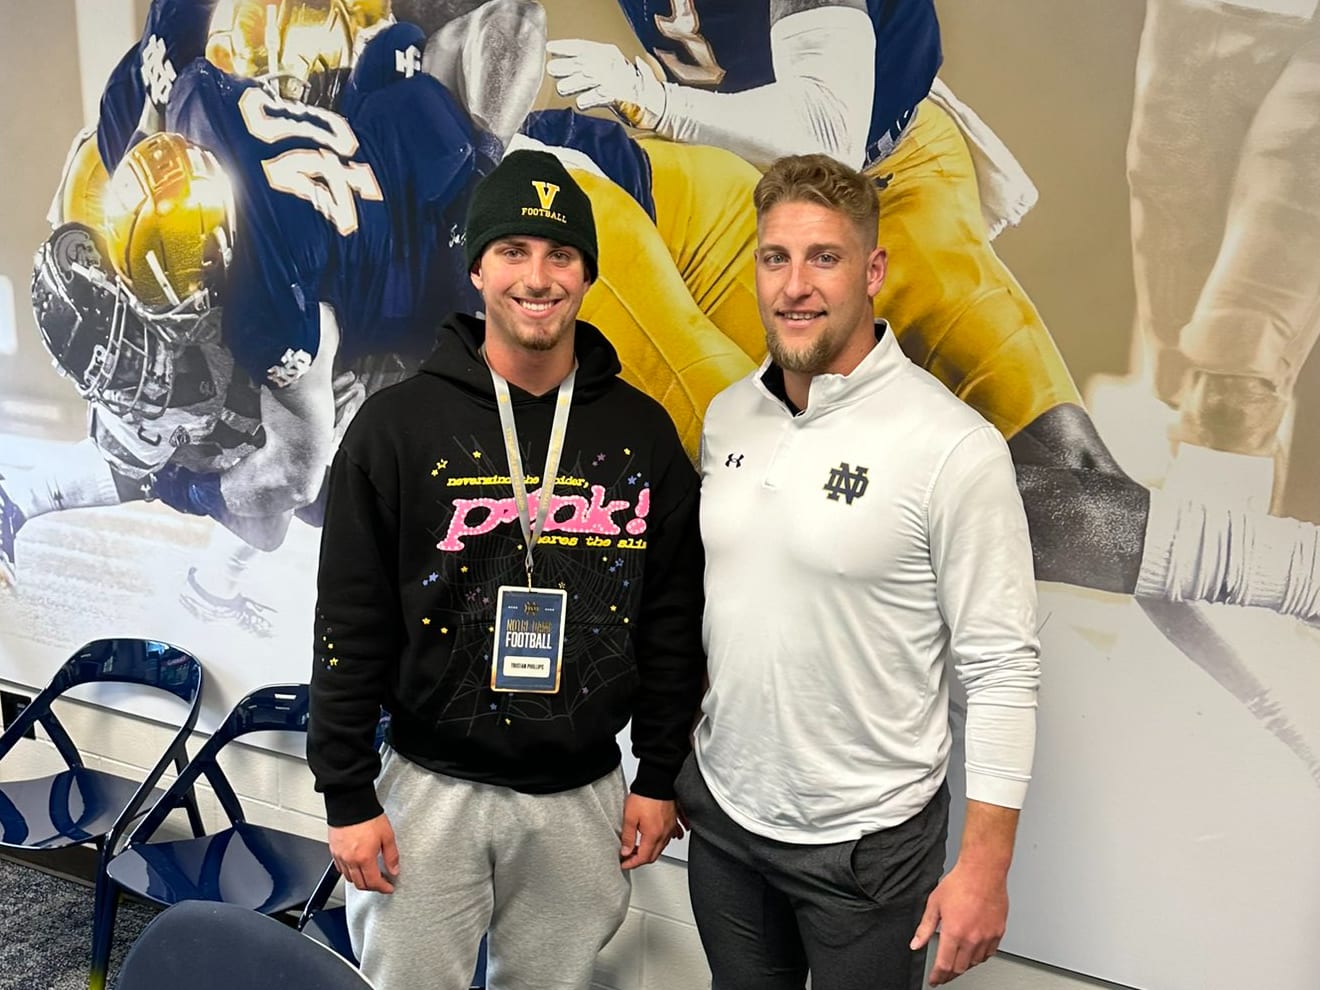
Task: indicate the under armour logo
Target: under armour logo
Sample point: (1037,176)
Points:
(847,482)
(734,460)
(531,608)
(408,62)
(157,72)
(546,192)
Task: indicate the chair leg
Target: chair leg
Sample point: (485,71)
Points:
(105,903)
(194,814)
(190,804)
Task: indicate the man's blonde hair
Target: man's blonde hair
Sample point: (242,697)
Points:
(823,180)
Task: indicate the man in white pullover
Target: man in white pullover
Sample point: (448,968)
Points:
(864,539)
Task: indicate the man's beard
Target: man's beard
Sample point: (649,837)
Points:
(545,340)
(539,342)
(809,360)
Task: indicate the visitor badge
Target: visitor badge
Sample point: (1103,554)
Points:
(529,639)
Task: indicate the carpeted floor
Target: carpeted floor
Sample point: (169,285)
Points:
(46,930)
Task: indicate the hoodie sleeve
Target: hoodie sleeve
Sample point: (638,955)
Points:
(358,638)
(670,658)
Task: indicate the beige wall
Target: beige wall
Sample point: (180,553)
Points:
(1055,81)
(39,114)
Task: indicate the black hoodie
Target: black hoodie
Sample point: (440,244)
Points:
(420,532)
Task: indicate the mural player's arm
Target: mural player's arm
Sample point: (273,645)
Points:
(254,499)
(823,53)
(981,554)
(299,420)
(491,59)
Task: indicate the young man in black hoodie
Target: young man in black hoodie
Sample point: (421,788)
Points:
(510,628)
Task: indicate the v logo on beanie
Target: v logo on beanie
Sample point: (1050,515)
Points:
(546,192)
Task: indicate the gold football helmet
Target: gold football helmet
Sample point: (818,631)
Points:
(82,185)
(301,49)
(169,225)
(368,13)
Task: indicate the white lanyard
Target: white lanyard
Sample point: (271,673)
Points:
(532,529)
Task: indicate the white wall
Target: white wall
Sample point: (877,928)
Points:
(657,948)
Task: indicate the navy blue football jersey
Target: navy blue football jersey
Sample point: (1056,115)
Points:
(724,45)
(394,53)
(175,33)
(362,214)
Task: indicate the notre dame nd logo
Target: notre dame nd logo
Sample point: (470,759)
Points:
(849,482)
(546,193)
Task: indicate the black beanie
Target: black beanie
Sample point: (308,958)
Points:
(531,194)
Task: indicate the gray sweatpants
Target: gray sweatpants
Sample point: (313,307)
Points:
(540,872)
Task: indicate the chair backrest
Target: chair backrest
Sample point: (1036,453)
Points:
(274,708)
(208,945)
(147,662)
(137,661)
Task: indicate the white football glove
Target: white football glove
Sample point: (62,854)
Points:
(599,75)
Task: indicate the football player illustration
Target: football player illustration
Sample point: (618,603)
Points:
(1091,525)
(1223,158)
(854,80)
(300,50)
(343,247)
(350,291)
(345,234)
(304,49)
(957,310)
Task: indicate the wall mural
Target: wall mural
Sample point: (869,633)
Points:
(263,226)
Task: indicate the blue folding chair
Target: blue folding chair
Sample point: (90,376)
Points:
(328,925)
(208,946)
(79,805)
(256,867)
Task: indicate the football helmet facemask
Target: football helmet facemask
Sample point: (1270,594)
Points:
(95,333)
(299,49)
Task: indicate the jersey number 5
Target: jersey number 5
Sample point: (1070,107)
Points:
(684,27)
(323,176)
